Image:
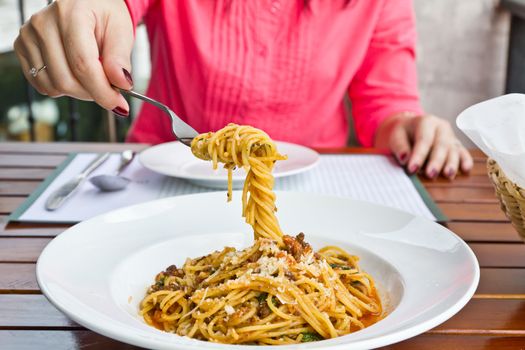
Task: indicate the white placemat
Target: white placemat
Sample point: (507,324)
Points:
(374,178)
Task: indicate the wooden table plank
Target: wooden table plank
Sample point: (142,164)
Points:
(84,339)
(473,211)
(59,340)
(29,230)
(9,204)
(497,315)
(24,173)
(18,188)
(488,254)
(479,168)
(21,249)
(25,231)
(460,181)
(18,278)
(31,160)
(18,311)
(481,315)
(459,342)
(21,278)
(469,231)
(499,254)
(462,194)
(500,281)
(479,158)
(485,231)
(439,193)
(454,211)
(66,147)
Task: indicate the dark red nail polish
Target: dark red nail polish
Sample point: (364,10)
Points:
(121,112)
(432,174)
(413,169)
(451,173)
(128,76)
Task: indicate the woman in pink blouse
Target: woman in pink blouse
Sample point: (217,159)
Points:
(280,65)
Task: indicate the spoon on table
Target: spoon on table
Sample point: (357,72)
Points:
(114,182)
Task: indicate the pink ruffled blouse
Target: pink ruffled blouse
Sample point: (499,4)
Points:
(283,66)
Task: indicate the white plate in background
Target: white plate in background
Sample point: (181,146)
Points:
(176,159)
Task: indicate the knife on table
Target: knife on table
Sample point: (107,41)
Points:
(58,197)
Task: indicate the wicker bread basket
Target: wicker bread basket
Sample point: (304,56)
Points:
(511,196)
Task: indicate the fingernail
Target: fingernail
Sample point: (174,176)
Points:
(432,173)
(402,157)
(121,112)
(451,173)
(128,76)
(413,168)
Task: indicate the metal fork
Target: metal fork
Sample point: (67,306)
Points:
(181,130)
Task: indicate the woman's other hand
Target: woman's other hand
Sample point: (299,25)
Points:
(85,47)
(424,141)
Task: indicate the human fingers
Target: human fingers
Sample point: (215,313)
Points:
(30,57)
(45,31)
(424,132)
(444,143)
(82,53)
(465,159)
(450,169)
(116,51)
(399,143)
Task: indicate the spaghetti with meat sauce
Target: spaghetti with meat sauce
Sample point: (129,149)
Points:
(277,291)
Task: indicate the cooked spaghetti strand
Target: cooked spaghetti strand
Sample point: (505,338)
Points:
(277,291)
(252,149)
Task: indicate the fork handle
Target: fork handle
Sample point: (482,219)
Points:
(141,97)
(182,131)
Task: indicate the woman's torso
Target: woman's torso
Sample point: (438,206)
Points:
(282,66)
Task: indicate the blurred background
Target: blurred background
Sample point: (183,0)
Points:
(463,58)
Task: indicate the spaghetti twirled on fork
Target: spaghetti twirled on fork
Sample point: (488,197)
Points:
(277,291)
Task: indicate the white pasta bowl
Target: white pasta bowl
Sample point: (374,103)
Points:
(98,271)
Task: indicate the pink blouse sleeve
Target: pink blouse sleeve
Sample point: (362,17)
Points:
(386,82)
(137,9)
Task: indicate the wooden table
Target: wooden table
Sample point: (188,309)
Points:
(493,319)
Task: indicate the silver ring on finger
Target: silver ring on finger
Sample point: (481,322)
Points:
(34,71)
